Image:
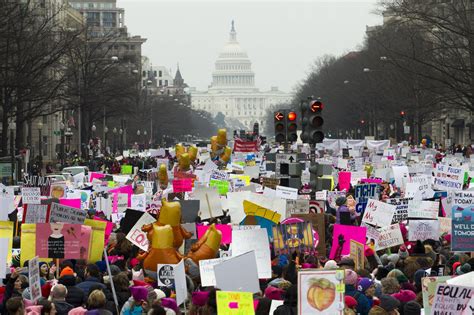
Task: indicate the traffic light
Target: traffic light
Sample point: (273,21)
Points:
(291,127)
(312,121)
(402,114)
(280,127)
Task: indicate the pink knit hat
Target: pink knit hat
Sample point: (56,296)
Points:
(199,298)
(274,293)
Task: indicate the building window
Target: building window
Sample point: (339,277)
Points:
(166,82)
(160,73)
(160,83)
(144,74)
(154,74)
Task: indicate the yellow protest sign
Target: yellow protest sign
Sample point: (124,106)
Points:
(6,231)
(96,246)
(251,208)
(357,253)
(244,178)
(234,303)
(28,243)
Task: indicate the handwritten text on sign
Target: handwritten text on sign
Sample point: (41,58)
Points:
(65,214)
(182,185)
(378,213)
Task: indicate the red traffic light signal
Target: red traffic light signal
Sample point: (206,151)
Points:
(362,121)
(279,116)
(402,113)
(291,116)
(316,106)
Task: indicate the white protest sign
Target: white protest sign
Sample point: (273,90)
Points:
(423,209)
(4,243)
(321,195)
(210,203)
(378,213)
(31,195)
(389,236)
(423,230)
(7,205)
(357,176)
(399,174)
(452,300)
(257,240)
(206,270)
(423,184)
(298,206)
(66,214)
(448,177)
(35,213)
(136,236)
(122,202)
(229,275)
(219,175)
(138,202)
(34,279)
(286,192)
(252,171)
(268,192)
(342,163)
(401,209)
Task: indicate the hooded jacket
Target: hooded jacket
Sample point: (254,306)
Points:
(75,296)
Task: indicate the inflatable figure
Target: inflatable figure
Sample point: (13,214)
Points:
(161,250)
(207,247)
(163,176)
(220,152)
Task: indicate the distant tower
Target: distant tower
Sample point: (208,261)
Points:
(178,80)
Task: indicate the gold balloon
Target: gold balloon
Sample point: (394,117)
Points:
(162,236)
(192,151)
(214,237)
(161,249)
(179,149)
(163,176)
(226,155)
(184,162)
(207,246)
(170,214)
(222,137)
(214,143)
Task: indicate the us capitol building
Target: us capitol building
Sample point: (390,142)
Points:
(233,91)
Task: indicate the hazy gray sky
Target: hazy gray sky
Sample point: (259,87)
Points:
(282,38)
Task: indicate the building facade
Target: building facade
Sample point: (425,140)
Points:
(233,92)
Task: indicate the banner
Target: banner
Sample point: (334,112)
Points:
(401,209)
(423,230)
(31,195)
(65,214)
(241,145)
(363,193)
(320,292)
(389,236)
(293,236)
(378,213)
(60,240)
(234,303)
(448,177)
(342,236)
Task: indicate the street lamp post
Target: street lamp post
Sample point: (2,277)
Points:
(114,131)
(106,130)
(93,128)
(138,136)
(144,137)
(12,127)
(121,139)
(62,127)
(40,146)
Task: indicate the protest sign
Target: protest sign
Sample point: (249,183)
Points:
(428,287)
(138,202)
(257,240)
(423,230)
(400,173)
(286,192)
(34,279)
(71,202)
(270,182)
(444,226)
(331,197)
(221,185)
(136,236)
(7,206)
(65,214)
(31,195)
(342,234)
(389,236)
(206,271)
(401,209)
(298,206)
(451,300)
(320,292)
(44,183)
(344,181)
(363,193)
(60,240)
(357,253)
(235,303)
(293,236)
(182,185)
(165,275)
(33,213)
(126,169)
(423,209)
(209,202)
(100,232)
(319,230)
(6,231)
(423,185)
(219,175)
(4,262)
(225,229)
(378,213)
(251,208)
(229,275)
(58,190)
(448,177)
(120,202)
(462,226)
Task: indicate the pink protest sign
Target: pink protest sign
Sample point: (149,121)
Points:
(342,236)
(225,229)
(73,202)
(371,180)
(124,190)
(182,185)
(344,181)
(94,175)
(62,240)
(108,228)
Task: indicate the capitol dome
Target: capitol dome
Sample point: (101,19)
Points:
(233,68)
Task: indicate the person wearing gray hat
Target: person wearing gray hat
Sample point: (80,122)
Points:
(389,303)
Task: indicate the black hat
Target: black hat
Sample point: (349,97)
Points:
(388,302)
(412,308)
(341,201)
(347,261)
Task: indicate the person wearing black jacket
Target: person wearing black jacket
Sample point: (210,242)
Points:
(75,296)
(15,284)
(290,303)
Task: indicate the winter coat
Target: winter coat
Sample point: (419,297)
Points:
(363,305)
(285,310)
(62,307)
(75,296)
(99,312)
(128,310)
(86,285)
(344,209)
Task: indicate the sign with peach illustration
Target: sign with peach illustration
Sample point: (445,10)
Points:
(320,292)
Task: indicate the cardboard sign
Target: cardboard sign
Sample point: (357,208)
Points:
(423,230)
(65,214)
(60,240)
(126,169)
(363,193)
(344,181)
(256,240)
(448,177)
(444,226)
(33,213)
(286,192)
(209,202)
(319,230)
(136,236)
(44,183)
(428,287)
(219,175)
(34,279)
(320,292)
(294,236)
(229,275)
(342,236)
(225,229)
(423,209)
(401,209)
(389,236)
(182,185)
(452,300)
(400,173)
(221,185)
(31,195)
(138,202)
(378,213)
(235,303)
(270,182)
(206,271)
(357,253)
